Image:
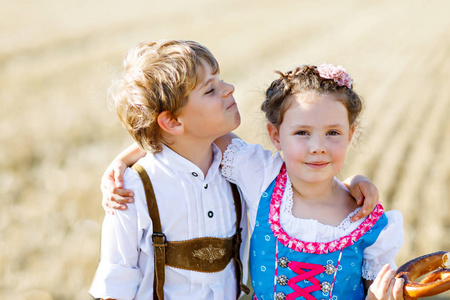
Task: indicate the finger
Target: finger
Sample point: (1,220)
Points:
(107,208)
(115,205)
(380,275)
(397,291)
(386,281)
(119,199)
(360,214)
(118,178)
(120,193)
(370,201)
(358,195)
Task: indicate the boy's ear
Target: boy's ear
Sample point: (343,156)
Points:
(274,136)
(168,124)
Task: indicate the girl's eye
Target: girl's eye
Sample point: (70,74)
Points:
(333,132)
(301,132)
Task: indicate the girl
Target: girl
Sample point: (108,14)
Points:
(304,243)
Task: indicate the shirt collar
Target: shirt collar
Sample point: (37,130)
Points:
(177,162)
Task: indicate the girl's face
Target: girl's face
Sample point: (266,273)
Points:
(314,136)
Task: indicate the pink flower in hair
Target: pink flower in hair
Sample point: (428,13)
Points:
(338,74)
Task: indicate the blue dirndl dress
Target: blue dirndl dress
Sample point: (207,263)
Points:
(283,267)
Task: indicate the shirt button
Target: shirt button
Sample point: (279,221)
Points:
(206,186)
(210,214)
(194,174)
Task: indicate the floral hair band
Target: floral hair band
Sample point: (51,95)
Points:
(338,74)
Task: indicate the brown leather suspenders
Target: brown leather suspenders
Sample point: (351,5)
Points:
(159,239)
(200,254)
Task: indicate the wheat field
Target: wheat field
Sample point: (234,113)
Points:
(58,133)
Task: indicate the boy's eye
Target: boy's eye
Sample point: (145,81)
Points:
(210,91)
(301,132)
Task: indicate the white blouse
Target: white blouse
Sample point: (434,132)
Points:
(253,169)
(190,206)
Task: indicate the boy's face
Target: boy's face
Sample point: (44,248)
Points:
(211,110)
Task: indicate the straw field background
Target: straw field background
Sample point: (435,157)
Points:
(57,134)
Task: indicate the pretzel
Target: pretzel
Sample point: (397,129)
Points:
(435,283)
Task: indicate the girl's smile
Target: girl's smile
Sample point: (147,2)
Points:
(317,164)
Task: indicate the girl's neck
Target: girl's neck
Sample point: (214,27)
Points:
(314,192)
(327,201)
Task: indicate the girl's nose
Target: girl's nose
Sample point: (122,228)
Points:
(317,146)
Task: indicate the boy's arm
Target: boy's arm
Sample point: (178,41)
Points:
(118,273)
(365,193)
(114,195)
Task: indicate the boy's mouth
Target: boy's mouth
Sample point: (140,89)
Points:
(232,105)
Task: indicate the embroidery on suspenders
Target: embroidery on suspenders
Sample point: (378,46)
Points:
(209,253)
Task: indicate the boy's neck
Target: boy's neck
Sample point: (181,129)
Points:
(200,154)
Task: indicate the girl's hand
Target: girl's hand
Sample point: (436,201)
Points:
(386,286)
(114,195)
(365,193)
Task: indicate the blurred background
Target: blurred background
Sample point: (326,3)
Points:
(58,134)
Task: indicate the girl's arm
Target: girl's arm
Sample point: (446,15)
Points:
(365,193)
(223,141)
(114,195)
(385,286)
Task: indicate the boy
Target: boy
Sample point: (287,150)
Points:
(173,103)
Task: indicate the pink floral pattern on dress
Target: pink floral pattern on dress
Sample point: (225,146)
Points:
(313,247)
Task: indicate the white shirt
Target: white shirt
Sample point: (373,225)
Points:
(253,169)
(190,206)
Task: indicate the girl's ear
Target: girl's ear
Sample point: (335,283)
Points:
(350,135)
(168,124)
(274,135)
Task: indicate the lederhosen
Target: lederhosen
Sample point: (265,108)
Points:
(206,254)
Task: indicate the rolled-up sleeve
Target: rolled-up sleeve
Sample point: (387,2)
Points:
(387,246)
(118,275)
(115,281)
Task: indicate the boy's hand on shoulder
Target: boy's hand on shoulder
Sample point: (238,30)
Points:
(114,195)
(365,193)
(386,286)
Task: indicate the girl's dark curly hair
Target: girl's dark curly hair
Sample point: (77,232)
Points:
(306,79)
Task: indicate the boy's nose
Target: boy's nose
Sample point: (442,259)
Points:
(228,89)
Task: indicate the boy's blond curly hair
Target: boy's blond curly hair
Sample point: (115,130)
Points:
(158,76)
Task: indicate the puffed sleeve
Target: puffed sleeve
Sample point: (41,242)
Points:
(118,275)
(251,167)
(385,248)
